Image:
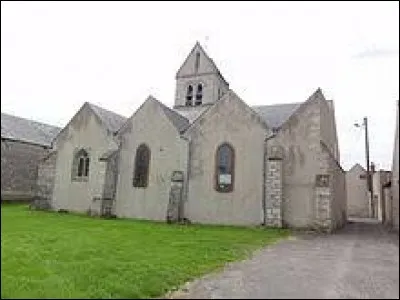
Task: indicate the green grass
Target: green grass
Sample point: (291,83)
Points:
(53,255)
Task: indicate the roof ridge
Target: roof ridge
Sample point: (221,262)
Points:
(105,109)
(110,119)
(168,111)
(30,120)
(27,130)
(277,104)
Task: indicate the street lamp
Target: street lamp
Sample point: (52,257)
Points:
(369,179)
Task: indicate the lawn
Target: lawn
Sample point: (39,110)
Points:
(54,255)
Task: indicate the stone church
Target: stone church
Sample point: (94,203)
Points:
(210,159)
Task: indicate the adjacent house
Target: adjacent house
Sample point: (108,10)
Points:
(358,200)
(211,158)
(395,175)
(23,144)
(380,179)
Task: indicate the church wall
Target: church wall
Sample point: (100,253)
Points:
(328,128)
(168,154)
(229,121)
(300,138)
(337,189)
(19,162)
(85,131)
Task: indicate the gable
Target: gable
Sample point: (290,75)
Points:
(107,120)
(357,168)
(149,108)
(198,63)
(229,105)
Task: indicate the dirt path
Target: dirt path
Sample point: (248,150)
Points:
(360,261)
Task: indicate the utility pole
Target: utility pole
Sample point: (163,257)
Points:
(369,175)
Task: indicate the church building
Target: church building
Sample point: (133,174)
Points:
(210,159)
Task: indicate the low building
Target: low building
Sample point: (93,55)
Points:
(380,180)
(358,203)
(23,143)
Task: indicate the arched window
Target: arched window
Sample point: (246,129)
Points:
(81,163)
(142,161)
(199,95)
(189,95)
(225,167)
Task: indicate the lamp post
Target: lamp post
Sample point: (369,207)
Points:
(369,179)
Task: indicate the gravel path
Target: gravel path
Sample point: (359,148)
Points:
(359,261)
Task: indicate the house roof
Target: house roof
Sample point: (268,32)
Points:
(20,129)
(357,166)
(111,120)
(276,115)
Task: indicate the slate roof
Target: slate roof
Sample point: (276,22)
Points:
(111,120)
(191,113)
(276,115)
(20,129)
(179,121)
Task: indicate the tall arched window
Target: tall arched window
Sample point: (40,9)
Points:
(199,94)
(81,162)
(142,162)
(189,95)
(225,167)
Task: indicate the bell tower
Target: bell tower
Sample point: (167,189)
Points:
(198,80)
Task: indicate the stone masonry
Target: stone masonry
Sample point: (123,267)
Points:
(45,181)
(175,197)
(19,162)
(323,195)
(273,188)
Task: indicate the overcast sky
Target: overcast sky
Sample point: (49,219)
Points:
(57,55)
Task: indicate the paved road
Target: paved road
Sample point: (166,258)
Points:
(360,261)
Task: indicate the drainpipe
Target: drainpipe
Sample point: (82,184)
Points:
(186,185)
(264,175)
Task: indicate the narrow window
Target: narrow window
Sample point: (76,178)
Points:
(199,95)
(197,62)
(87,161)
(142,161)
(225,164)
(189,95)
(80,168)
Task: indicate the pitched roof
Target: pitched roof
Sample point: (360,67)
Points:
(179,121)
(199,47)
(110,119)
(357,166)
(17,128)
(276,115)
(191,113)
